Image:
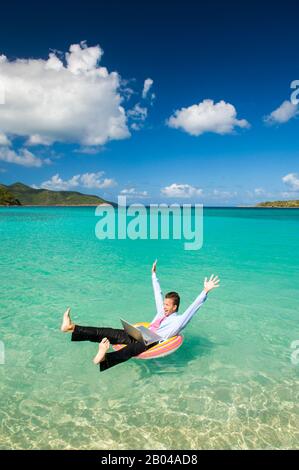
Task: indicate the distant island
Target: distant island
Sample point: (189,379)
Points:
(19,194)
(284,204)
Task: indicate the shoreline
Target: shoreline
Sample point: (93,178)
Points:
(115,205)
(56,205)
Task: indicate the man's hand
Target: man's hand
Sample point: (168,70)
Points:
(154,267)
(212,283)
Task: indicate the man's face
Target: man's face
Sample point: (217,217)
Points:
(169,306)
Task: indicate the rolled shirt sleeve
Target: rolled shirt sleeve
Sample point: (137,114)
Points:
(158,297)
(183,320)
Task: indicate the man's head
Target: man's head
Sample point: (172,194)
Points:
(171,303)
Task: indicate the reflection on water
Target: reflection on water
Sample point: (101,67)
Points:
(194,347)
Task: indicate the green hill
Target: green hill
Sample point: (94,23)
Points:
(27,196)
(286,204)
(7,198)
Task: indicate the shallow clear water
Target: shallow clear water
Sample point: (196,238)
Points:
(231,385)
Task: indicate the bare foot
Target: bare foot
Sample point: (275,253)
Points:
(67,324)
(103,348)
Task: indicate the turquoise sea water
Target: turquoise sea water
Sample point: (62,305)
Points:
(231,385)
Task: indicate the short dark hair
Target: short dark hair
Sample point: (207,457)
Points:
(175,297)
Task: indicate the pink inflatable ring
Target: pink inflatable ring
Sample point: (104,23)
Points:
(160,350)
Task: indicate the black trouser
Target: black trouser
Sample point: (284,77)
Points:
(115,336)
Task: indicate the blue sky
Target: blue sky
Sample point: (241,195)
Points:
(197,55)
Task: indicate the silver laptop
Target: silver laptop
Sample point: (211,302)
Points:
(141,333)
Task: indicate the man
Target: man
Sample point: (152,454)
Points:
(166,324)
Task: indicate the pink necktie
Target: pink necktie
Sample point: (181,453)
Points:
(155,326)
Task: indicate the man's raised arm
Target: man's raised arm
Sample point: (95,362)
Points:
(210,284)
(157,292)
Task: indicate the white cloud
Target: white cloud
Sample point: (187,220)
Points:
(74,101)
(4,139)
(138,114)
(36,139)
(58,184)
(86,180)
(206,116)
(287,194)
(292,180)
(283,113)
(83,59)
(24,157)
(181,190)
(132,192)
(93,180)
(223,195)
(126,90)
(259,191)
(146,87)
(89,150)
